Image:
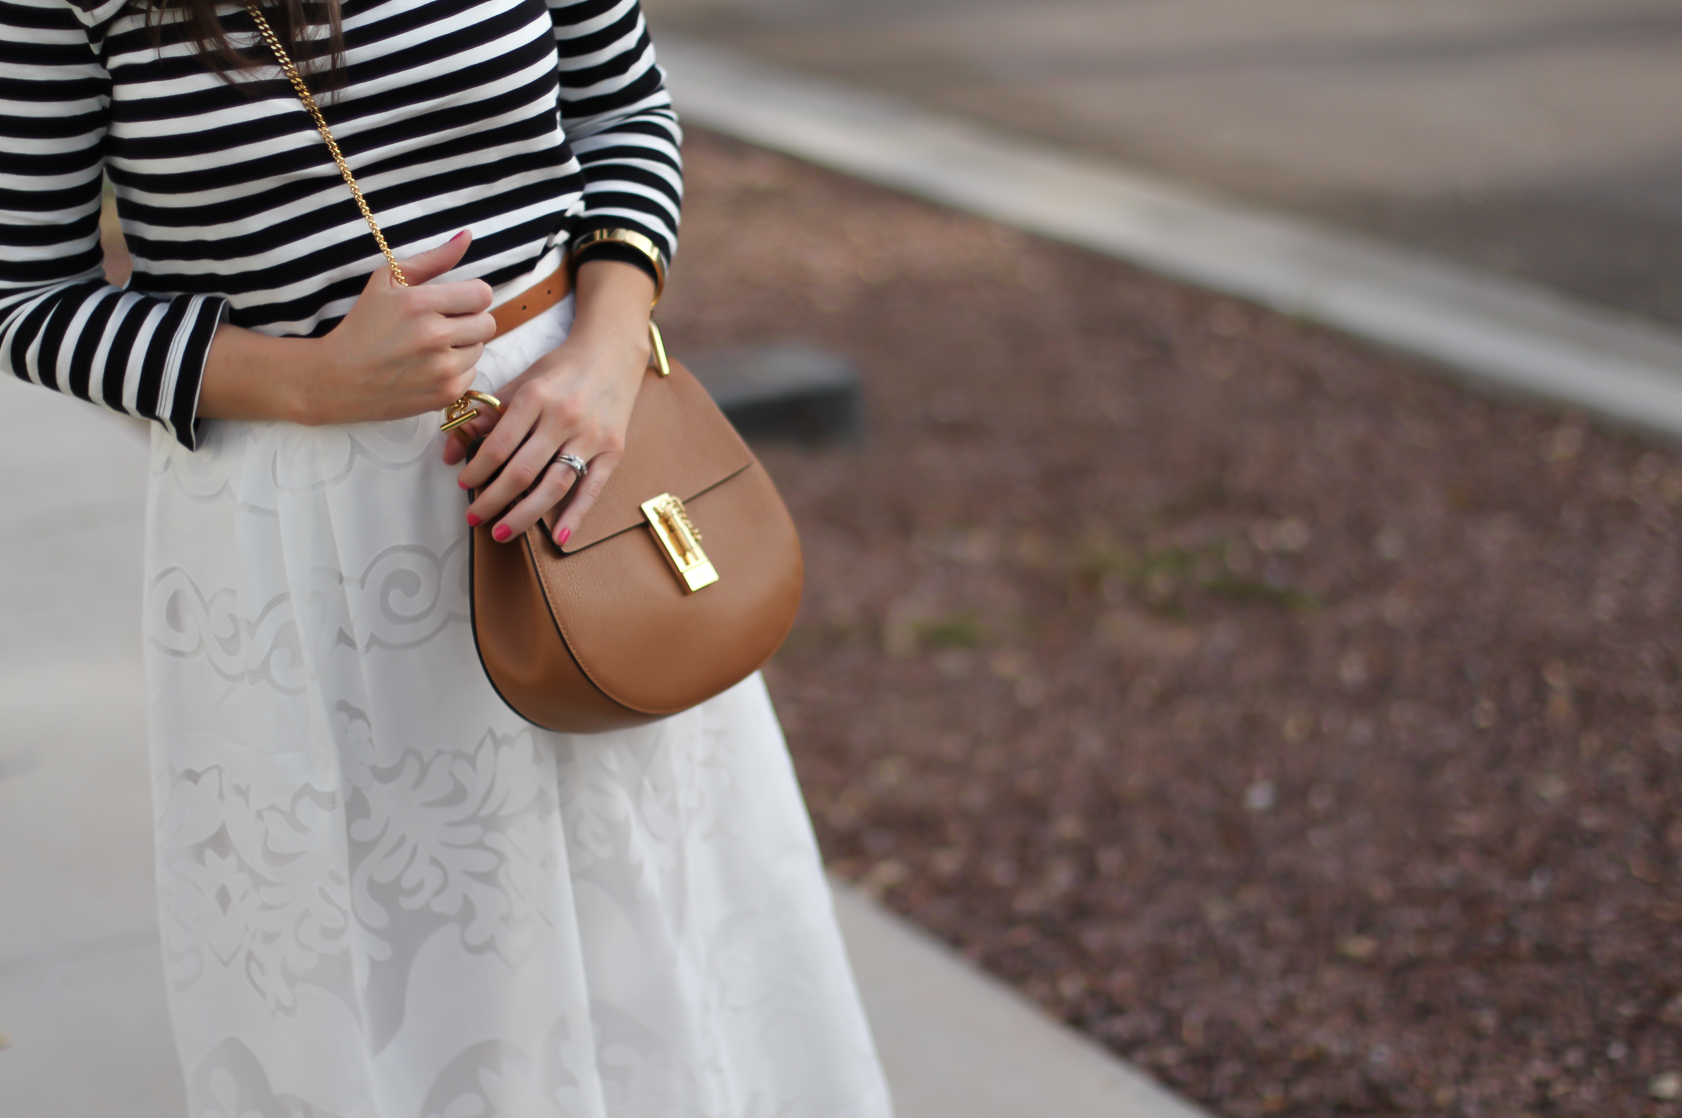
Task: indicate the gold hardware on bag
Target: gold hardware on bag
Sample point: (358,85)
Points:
(463,411)
(680,541)
(659,345)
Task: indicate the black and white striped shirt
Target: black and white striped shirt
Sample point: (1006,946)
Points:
(525,122)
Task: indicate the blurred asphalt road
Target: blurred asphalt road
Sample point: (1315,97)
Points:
(1541,139)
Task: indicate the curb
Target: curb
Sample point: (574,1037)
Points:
(1501,332)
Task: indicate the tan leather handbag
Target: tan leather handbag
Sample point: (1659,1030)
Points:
(680,583)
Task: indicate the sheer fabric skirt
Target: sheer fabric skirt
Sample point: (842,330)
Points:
(384,895)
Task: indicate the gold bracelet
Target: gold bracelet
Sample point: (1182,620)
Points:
(631,239)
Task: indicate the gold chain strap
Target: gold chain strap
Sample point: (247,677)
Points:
(297,81)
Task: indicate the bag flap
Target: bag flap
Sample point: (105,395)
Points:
(678,442)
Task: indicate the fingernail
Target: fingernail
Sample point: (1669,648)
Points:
(473,521)
(458,236)
(461,483)
(562,537)
(501,533)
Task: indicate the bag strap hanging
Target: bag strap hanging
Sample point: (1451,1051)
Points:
(303,91)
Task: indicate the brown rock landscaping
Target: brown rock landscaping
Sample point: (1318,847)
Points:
(1299,724)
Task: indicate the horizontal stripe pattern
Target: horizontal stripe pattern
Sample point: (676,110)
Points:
(529,123)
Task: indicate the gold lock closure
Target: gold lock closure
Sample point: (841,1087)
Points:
(681,543)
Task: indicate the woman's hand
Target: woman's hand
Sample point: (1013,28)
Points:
(401,351)
(577,399)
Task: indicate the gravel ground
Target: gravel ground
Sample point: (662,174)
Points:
(1296,723)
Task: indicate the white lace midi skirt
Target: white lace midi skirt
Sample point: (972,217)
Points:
(384,895)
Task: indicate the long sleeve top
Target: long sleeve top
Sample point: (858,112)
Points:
(528,123)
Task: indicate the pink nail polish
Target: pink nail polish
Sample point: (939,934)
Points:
(473,521)
(461,483)
(562,537)
(501,533)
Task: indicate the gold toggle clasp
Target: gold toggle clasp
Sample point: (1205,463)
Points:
(463,411)
(680,541)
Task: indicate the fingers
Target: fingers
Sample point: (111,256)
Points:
(578,398)
(557,481)
(431,264)
(588,489)
(457,296)
(515,452)
(503,434)
(454,375)
(455,449)
(467,329)
(529,485)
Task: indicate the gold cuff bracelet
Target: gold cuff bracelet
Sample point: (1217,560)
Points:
(631,239)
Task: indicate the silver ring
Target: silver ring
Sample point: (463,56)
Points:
(579,466)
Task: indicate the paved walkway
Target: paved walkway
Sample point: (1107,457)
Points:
(81,982)
(81,986)
(1532,139)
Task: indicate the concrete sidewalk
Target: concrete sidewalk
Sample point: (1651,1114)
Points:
(81,980)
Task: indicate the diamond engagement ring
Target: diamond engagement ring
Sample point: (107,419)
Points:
(579,466)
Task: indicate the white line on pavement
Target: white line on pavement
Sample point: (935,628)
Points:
(1494,329)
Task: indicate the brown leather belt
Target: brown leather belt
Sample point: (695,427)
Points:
(533,301)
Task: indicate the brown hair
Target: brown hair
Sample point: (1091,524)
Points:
(292,21)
